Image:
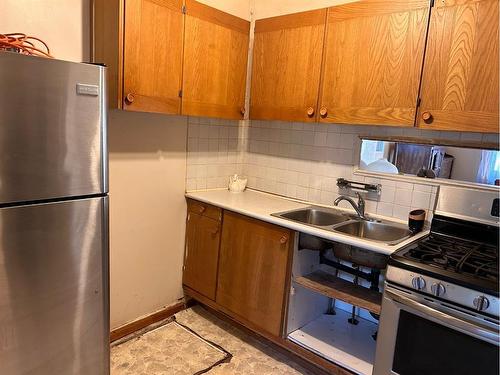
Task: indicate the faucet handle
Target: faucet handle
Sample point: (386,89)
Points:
(361,202)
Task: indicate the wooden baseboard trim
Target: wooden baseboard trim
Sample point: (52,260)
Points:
(145,321)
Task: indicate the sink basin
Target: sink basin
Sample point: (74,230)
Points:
(315,216)
(341,222)
(375,231)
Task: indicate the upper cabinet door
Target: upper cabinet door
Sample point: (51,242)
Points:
(153,38)
(373,61)
(460,81)
(287,66)
(215,63)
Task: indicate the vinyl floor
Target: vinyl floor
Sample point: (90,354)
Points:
(174,350)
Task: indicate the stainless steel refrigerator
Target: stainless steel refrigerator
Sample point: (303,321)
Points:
(54,298)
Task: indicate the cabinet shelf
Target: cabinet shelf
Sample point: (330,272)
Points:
(335,287)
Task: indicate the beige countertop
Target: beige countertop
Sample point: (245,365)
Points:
(261,205)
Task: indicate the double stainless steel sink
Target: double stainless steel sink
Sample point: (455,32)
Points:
(339,221)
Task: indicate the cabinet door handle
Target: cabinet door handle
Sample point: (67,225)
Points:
(129,99)
(202,209)
(215,231)
(284,240)
(427,117)
(310,112)
(243,111)
(323,112)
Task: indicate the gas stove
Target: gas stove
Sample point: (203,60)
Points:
(440,307)
(458,261)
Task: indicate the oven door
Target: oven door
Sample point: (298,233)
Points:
(418,335)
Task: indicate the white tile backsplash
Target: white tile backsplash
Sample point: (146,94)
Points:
(301,161)
(310,160)
(214,152)
(420,199)
(403,197)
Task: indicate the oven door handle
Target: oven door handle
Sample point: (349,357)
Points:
(473,329)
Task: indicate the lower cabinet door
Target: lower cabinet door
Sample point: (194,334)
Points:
(202,254)
(253,268)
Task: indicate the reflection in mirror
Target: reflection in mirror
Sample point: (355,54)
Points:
(431,161)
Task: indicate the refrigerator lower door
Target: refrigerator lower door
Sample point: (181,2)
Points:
(54,309)
(52,129)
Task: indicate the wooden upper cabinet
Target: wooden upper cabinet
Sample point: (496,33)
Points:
(253,270)
(162,60)
(107,45)
(460,80)
(373,61)
(215,63)
(286,69)
(153,55)
(140,41)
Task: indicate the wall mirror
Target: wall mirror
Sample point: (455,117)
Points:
(435,159)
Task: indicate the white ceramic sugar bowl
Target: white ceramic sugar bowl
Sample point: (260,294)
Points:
(237,184)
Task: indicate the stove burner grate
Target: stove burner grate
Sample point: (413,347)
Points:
(478,260)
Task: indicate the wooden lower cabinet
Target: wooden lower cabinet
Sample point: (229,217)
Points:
(253,270)
(202,254)
(242,271)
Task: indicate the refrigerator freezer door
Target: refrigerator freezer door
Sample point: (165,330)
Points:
(52,129)
(54,310)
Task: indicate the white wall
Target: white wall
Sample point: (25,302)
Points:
(269,8)
(238,8)
(147,170)
(62,24)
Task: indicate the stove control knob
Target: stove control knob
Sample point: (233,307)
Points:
(418,282)
(481,303)
(438,289)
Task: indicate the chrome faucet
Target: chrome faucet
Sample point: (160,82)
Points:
(359,207)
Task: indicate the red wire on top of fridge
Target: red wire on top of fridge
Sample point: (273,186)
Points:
(24,44)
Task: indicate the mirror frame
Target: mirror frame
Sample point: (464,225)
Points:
(427,141)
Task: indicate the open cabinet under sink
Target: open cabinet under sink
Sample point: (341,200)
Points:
(333,338)
(311,325)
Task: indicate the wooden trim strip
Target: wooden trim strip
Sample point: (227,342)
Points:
(175,5)
(280,113)
(452,3)
(192,108)
(145,321)
(291,21)
(207,13)
(293,242)
(204,209)
(466,121)
(371,8)
(107,45)
(372,116)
